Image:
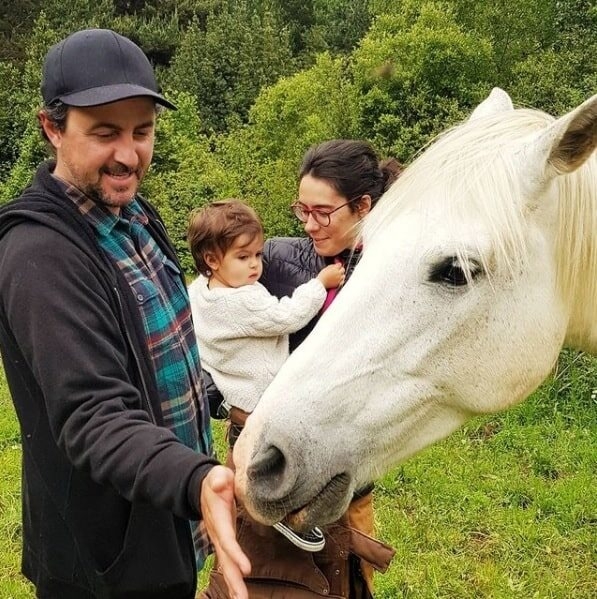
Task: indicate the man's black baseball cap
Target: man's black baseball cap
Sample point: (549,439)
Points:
(97,66)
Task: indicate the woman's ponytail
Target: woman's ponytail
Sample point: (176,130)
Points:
(390,169)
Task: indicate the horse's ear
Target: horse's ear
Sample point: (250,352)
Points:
(570,141)
(497,101)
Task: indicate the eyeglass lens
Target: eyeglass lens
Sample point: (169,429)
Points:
(302,213)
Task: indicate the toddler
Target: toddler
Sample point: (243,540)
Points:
(242,330)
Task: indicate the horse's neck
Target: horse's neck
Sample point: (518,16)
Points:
(577,255)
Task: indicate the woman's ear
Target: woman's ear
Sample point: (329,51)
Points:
(364,205)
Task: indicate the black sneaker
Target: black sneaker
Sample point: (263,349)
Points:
(308,541)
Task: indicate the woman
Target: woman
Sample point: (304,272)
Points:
(340,182)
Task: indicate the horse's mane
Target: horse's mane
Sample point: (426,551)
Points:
(464,162)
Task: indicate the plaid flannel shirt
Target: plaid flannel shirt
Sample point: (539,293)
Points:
(164,306)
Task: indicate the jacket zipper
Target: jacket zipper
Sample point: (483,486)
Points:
(137,360)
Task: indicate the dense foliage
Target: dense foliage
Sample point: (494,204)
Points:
(258,81)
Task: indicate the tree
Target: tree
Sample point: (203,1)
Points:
(416,73)
(516,30)
(299,17)
(545,50)
(185,173)
(298,111)
(341,24)
(16,19)
(225,66)
(23,148)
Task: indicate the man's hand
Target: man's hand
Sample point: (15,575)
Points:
(218,509)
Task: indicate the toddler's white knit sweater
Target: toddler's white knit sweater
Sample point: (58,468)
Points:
(243,332)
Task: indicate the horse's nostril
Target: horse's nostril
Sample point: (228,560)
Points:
(268,463)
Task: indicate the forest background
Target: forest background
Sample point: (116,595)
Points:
(506,507)
(258,81)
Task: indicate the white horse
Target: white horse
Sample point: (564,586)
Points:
(480,264)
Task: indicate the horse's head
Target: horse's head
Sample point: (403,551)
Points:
(469,285)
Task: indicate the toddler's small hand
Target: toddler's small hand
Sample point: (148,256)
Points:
(332,276)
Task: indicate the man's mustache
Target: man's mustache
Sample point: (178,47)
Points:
(120,169)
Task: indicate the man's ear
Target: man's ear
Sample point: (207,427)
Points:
(52,132)
(364,205)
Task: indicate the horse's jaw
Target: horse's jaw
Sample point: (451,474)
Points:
(287,470)
(300,511)
(271,485)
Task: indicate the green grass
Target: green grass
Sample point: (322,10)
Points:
(12,584)
(504,508)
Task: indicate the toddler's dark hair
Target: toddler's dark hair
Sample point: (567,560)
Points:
(215,227)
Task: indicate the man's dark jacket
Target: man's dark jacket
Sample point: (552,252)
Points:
(107,490)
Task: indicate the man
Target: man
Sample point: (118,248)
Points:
(100,354)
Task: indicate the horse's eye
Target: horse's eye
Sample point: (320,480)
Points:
(449,272)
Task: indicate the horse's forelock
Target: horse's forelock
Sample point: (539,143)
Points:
(463,163)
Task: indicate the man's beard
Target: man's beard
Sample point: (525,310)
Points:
(95,192)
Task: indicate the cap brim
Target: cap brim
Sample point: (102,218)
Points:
(96,96)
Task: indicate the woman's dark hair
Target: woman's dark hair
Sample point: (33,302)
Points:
(215,227)
(351,167)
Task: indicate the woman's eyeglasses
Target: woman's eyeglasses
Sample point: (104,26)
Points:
(322,217)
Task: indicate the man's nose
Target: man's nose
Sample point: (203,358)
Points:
(126,152)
